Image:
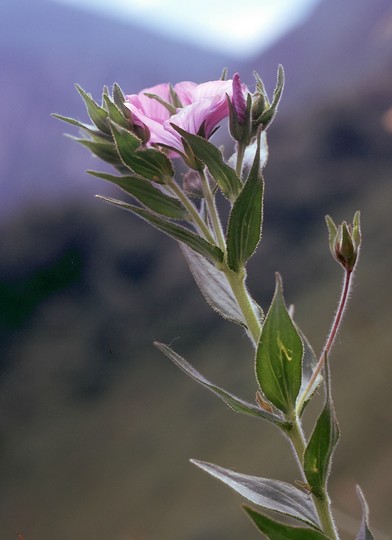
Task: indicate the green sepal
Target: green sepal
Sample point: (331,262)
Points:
(274,530)
(119,100)
(363,533)
(279,355)
(148,195)
(179,233)
(246,218)
(321,445)
(149,163)
(270,494)
(115,114)
(207,153)
(235,403)
(97,114)
(269,114)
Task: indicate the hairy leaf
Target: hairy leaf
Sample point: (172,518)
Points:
(321,445)
(279,355)
(275,530)
(172,229)
(364,533)
(246,217)
(235,403)
(147,194)
(269,494)
(223,174)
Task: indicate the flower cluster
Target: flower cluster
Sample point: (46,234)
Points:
(195,108)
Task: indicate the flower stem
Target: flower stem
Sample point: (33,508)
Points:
(331,338)
(197,220)
(321,504)
(240,158)
(212,210)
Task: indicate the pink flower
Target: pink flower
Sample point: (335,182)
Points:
(203,107)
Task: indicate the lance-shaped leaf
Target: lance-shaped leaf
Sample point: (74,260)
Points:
(275,530)
(273,495)
(149,163)
(148,195)
(363,533)
(246,216)
(102,149)
(321,445)
(214,286)
(97,114)
(173,230)
(279,355)
(88,128)
(223,174)
(235,403)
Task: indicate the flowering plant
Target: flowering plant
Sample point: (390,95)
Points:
(143,136)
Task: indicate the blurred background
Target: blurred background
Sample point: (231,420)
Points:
(96,427)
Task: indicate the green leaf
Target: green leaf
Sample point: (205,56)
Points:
(279,355)
(147,194)
(235,403)
(149,163)
(321,445)
(223,174)
(280,531)
(214,286)
(97,114)
(273,495)
(173,230)
(246,217)
(364,533)
(102,149)
(88,128)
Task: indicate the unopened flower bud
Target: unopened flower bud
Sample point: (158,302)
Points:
(345,241)
(239,112)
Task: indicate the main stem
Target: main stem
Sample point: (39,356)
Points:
(322,505)
(237,284)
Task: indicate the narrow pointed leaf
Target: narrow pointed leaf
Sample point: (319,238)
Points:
(235,403)
(246,216)
(88,128)
(173,230)
(364,533)
(102,149)
(147,194)
(267,117)
(279,355)
(321,445)
(280,531)
(214,286)
(223,174)
(97,114)
(149,163)
(273,495)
